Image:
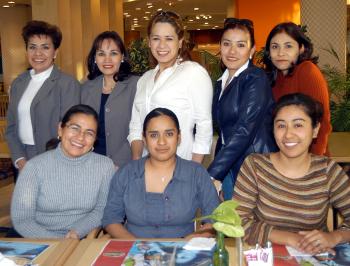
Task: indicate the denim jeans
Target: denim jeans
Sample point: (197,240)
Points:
(227,186)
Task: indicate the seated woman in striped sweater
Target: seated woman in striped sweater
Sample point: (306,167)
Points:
(284,196)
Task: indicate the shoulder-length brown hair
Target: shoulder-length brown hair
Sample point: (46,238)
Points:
(175,21)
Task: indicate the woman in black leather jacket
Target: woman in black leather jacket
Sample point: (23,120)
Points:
(242,105)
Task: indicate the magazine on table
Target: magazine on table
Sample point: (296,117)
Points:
(141,253)
(287,256)
(21,251)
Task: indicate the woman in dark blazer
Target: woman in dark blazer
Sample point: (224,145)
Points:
(110,90)
(38,97)
(242,105)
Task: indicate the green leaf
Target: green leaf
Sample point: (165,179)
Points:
(229,230)
(226,219)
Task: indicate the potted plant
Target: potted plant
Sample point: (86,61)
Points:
(138,53)
(227,223)
(339,87)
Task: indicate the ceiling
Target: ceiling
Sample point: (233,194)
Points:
(196,14)
(210,13)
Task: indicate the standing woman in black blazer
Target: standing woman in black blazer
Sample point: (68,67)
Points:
(242,105)
(110,90)
(40,96)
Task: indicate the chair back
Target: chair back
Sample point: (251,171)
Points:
(4,149)
(4,103)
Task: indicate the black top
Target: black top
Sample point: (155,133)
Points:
(100,144)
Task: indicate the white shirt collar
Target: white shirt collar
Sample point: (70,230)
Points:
(224,76)
(42,75)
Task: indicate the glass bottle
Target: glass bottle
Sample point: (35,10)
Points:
(220,256)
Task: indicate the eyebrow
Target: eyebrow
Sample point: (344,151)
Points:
(42,44)
(114,50)
(74,124)
(227,40)
(282,43)
(157,35)
(156,131)
(294,120)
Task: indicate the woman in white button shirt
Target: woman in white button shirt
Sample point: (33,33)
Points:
(176,83)
(38,97)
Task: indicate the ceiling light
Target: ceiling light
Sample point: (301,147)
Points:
(11,2)
(126,13)
(170,4)
(138,8)
(198,29)
(190,20)
(196,8)
(197,17)
(128,16)
(135,19)
(149,6)
(5,6)
(147,12)
(209,16)
(206,23)
(159,9)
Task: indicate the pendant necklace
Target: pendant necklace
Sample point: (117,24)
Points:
(105,89)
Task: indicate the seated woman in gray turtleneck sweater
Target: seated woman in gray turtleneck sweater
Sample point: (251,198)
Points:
(62,193)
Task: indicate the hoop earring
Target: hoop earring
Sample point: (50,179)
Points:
(92,148)
(58,137)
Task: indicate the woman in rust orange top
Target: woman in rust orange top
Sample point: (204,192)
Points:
(292,68)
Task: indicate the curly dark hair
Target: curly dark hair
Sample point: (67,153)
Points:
(296,33)
(124,69)
(36,27)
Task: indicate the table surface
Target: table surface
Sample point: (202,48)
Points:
(56,254)
(88,249)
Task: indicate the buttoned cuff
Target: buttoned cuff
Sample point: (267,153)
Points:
(20,158)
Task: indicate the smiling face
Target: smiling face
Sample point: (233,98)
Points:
(284,51)
(108,57)
(235,49)
(293,131)
(164,44)
(40,52)
(78,135)
(161,138)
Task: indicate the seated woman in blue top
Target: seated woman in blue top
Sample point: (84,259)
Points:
(159,194)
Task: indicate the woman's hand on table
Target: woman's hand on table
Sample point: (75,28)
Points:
(72,234)
(316,241)
(206,230)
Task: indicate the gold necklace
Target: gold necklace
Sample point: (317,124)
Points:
(105,88)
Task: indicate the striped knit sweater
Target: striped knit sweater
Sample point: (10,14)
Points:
(308,79)
(270,200)
(55,194)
